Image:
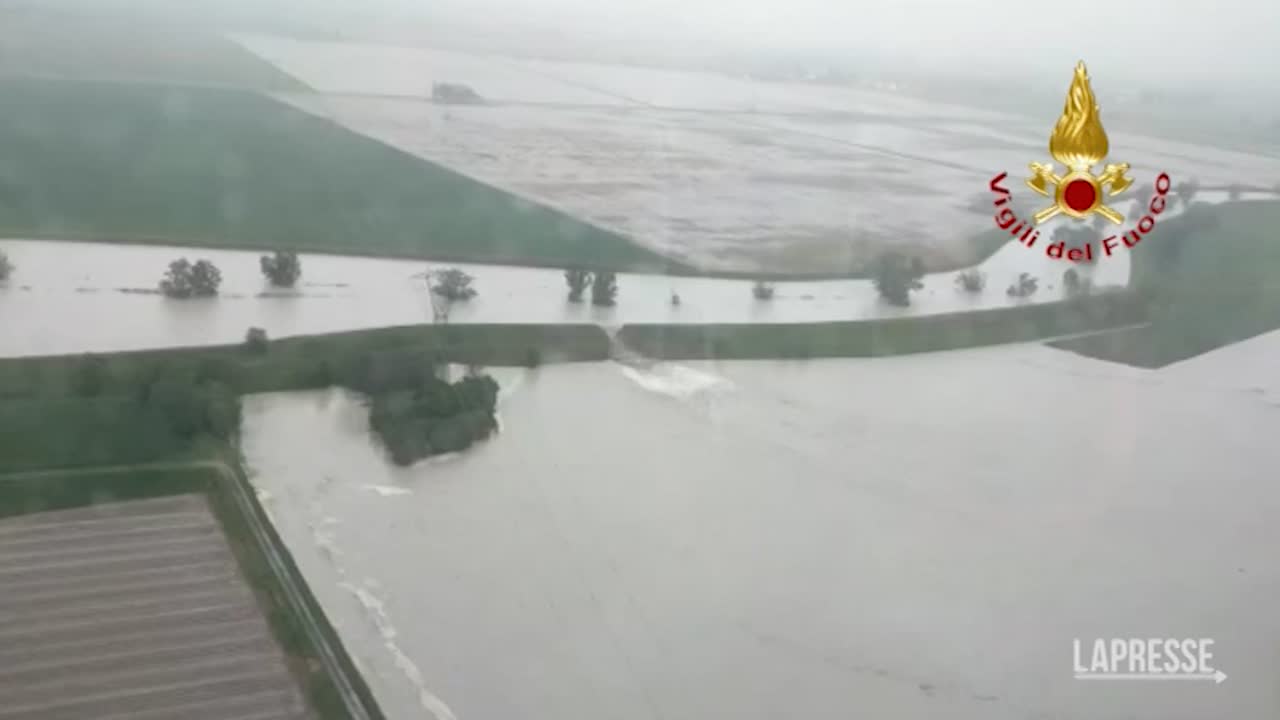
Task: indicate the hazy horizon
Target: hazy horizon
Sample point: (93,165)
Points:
(1225,45)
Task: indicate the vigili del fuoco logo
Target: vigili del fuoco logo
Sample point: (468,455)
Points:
(1079,143)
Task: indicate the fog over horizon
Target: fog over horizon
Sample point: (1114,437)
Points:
(1227,45)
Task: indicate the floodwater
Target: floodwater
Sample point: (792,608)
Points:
(70,297)
(720,172)
(916,537)
(85,297)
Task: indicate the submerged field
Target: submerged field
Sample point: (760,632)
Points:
(720,172)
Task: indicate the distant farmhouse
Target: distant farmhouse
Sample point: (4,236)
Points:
(455,93)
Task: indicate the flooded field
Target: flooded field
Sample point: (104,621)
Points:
(716,171)
(85,297)
(917,537)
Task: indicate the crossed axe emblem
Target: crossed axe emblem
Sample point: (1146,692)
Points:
(1071,197)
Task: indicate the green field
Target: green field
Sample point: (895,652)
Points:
(229,168)
(1214,277)
(48,418)
(929,333)
(128,47)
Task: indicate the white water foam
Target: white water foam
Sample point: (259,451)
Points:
(677,381)
(376,611)
(387,490)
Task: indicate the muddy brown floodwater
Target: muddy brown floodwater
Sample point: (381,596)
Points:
(915,537)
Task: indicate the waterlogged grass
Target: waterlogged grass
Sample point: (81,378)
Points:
(233,169)
(1212,274)
(76,411)
(898,336)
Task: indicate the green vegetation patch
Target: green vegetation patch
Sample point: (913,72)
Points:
(42,492)
(232,169)
(1212,274)
(898,336)
(86,410)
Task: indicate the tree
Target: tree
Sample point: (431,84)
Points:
(453,285)
(6,267)
(762,290)
(283,269)
(604,289)
(205,278)
(1185,192)
(577,280)
(896,276)
(255,341)
(1074,284)
(972,281)
(184,280)
(1026,286)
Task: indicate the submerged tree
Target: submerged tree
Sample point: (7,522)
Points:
(1026,286)
(762,290)
(971,281)
(452,284)
(577,280)
(604,289)
(283,269)
(1074,284)
(896,276)
(185,280)
(1185,192)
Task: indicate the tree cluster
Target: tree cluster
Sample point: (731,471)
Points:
(1025,286)
(603,284)
(187,280)
(1074,284)
(896,276)
(434,417)
(971,281)
(283,268)
(452,285)
(578,281)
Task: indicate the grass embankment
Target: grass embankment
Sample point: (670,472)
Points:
(885,337)
(1212,274)
(69,411)
(232,500)
(232,169)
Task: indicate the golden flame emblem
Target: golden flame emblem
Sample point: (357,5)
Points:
(1079,142)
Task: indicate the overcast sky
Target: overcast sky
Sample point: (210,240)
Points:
(1167,40)
(1144,38)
